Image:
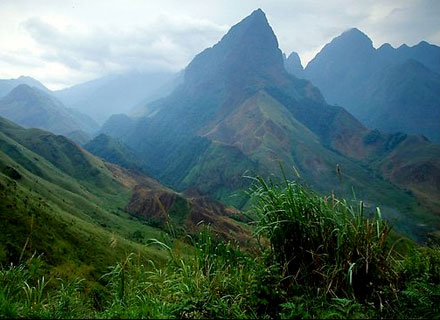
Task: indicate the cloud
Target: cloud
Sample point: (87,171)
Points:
(409,22)
(24,58)
(63,43)
(169,42)
(306,26)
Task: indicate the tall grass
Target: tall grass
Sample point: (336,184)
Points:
(215,281)
(318,258)
(324,242)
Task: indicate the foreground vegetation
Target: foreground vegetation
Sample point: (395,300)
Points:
(314,258)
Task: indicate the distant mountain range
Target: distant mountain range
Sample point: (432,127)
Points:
(238,112)
(122,93)
(128,93)
(36,108)
(6,85)
(386,88)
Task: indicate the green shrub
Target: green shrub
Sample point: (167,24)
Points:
(323,242)
(420,283)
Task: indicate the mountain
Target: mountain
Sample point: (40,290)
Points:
(113,151)
(82,213)
(6,85)
(78,136)
(118,93)
(238,112)
(293,65)
(32,107)
(401,97)
(146,105)
(388,89)
(412,163)
(118,125)
(60,201)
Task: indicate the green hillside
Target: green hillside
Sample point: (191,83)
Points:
(113,151)
(318,257)
(80,212)
(70,213)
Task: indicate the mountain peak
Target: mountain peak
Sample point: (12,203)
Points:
(33,97)
(21,91)
(22,86)
(29,89)
(256,19)
(386,46)
(355,37)
(294,56)
(293,65)
(351,47)
(258,15)
(354,31)
(31,82)
(403,46)
(23,78)
(250,46)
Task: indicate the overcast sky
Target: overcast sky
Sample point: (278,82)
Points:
(64,42)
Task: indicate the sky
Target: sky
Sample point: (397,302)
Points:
(66,42)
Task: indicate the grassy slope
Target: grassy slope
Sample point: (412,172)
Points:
(72,218)
(113,151)
(325,260)
(265,130)
(415,165)
(267,134)
(85,214)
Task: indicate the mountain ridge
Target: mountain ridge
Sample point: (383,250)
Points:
(117,93)
(6,85)
(32,107)
(236,115)
(373,83)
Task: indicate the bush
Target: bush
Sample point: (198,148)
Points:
(420,278)
(324,243)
